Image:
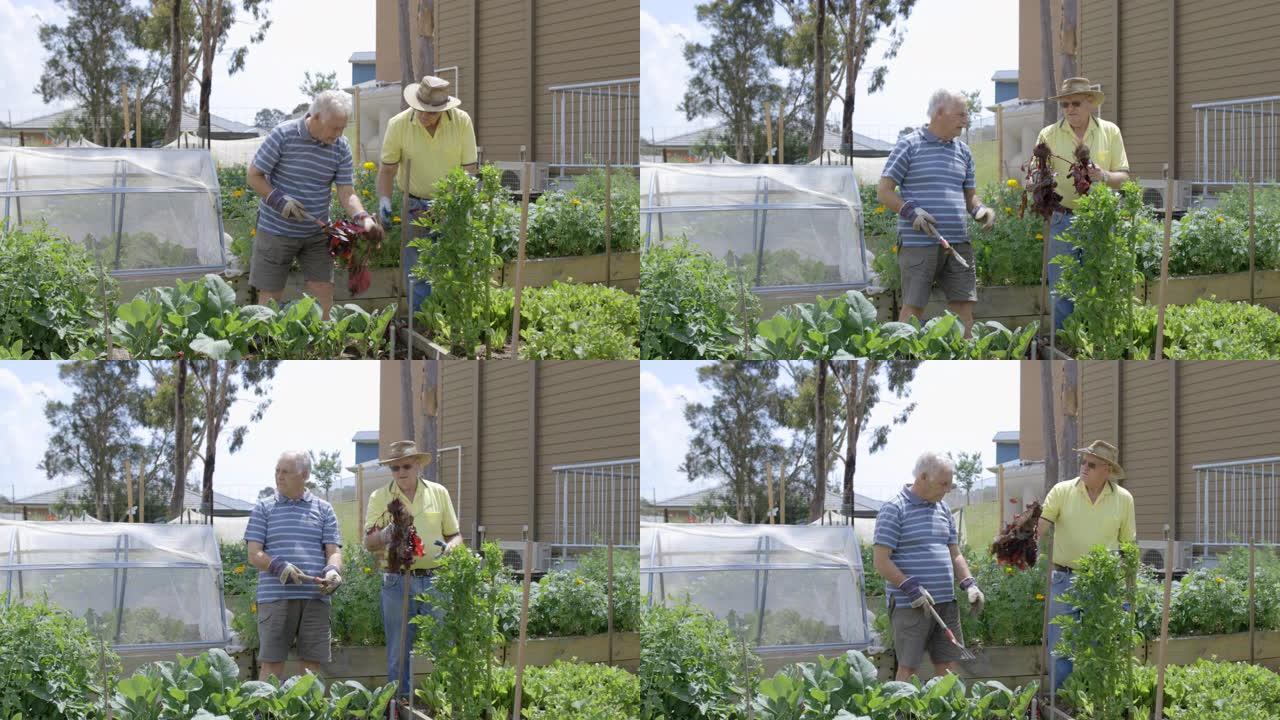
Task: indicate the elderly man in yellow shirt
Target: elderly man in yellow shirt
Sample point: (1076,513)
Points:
(1110,166)
(1085,511)
(434,519)
(435,136)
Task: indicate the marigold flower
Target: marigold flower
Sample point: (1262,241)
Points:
(1012,182)
(880,210)
(1008,570)
(1219,580)
(237,193)
(579,581)
(1008,211)
(368,570)
(1039,596)
(1039,236)
(894,250)
(395,218)
(575,201)
(253,232)
(253,608)
(239,570)
(368,165)
(1221,219)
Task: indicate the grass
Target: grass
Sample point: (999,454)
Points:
(985,161)
(348,523)
(980,524)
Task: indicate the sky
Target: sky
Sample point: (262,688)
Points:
(949,44)
(305,35)
(315,406)
(961,405)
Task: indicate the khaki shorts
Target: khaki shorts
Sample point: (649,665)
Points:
(274,254)
(922,266)
(915,631)
(283,621)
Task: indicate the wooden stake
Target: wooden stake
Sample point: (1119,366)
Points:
(124,103)
(128,487)
(768,488)
(1000,497)
(524,622)
(360,498)
(608,225)
(1046,657)
(355,99)
(1164,261)
(782,498)
(524,234)
(137,113)
(1253,239)
(1045,309)
(404,244)
(610,605)
(1164,618)
(1000,144)
(1252,596)
(768,133)
(407,657)
(782,138)
(142,497)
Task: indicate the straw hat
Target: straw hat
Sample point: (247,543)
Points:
(1079,86)
(404,450)
(430,95)
(1107,453)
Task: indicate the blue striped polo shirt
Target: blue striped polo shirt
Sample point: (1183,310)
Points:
(303,168)
(295,531)
(935,174)
(918,532)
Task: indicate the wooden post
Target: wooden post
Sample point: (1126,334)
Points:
(1000,170)
(524,234)
(137,113)
(404,243)
(1164,619)
(1164,261)
(1045,309)
(782,498)
(608,225)
(360,511)
(142,497)
(524,621)
(611,605)
(128,489)
(768,489)
(124,103)
(1253,546)
(782,138)
(1000,497)
(768,133)
(1253,239)
(1046,672)
(355,99)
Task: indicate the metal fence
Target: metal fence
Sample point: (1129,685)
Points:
(594,124)
(1236,140)
(1238,502)
(595,504)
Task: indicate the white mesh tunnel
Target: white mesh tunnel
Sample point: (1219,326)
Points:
(785,227)
(141,211)
(780,587)
(141,587)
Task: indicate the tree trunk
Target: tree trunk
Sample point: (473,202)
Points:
(213,410)
(818,504)
(406,401)
(426,38)
(1050,436)
(430,417)
(1067,40)
(406,63)
(180,439)
(819,83)
(1046,62)
(208,46)
(178,71)
(850,74)
(1066,454)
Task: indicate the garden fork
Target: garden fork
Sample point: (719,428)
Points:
(947,247)
(964,654)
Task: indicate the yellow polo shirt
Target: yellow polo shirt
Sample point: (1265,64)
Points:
(431,156)
(1106,150)
(1079,524)
(433,516)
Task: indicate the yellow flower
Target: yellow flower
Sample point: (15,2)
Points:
(894,250)
(1012,182)
(253,232)
(239,570)
(237,193)
(395,218)
(1008,211)
(1219,580)
(253,608)
(880,210)
(368,165)
(1039,236)
(1221,219)
(368,570)
(1039,596)
(575,201)
(1008,570)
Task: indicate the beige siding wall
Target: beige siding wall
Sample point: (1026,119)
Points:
(457,402)
(504,449)
(502,117)
(1098,402)
(1146,455)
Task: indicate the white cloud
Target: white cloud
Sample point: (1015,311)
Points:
(24,432)
(664,434)
(663,75)
(22,56)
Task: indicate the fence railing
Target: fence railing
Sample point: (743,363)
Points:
(1238,502)
(594,124)
(1236,140)
(596,503)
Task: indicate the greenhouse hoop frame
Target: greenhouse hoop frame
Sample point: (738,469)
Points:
(119,584)
(759,208)
(119,190)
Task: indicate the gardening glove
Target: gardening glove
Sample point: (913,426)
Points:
(384,211)
(371,227)
(916,592)
(976,599)
(384,535)
(921,221)
(984,216)
(288,208)
(288,573)
(329,579)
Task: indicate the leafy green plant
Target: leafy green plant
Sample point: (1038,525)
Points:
(626,205)
(1101,641)
(569,603)
(784,267)
(627,600)
(693,667)
(1234,204)
(1106,230)
(1206,241)
(461,262)
(1209,690)
(1014,611)
(49,292)
(579,691)
(1010,252)
(573,321)
(561,223)
(15,352)
(1210,330)
(355,614)
(846,327)
(691,304)
(50,664)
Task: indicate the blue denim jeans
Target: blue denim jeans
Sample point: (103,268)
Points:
(420,290)
(1060,666)
(1062,306)
(398,670)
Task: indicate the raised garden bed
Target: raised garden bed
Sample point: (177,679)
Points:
(623,270)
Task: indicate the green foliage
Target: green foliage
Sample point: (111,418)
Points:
(691,304)
(625,191)
(461,263)
(355,615)
(1209,690)
(49,663)
(576,321)
(208,686)
(846,687)
(627,601)
(1210,330)
(1101,641)
(15,352)
(783,267)
(1106,230)
(49,296)
(1014,612)
(141,626)
(1010,253)
(579,691)
(1206,241)
(201,318)
(872,581)
(1235,206)
(570,602)
(845,327)
(693,666)
(560,223)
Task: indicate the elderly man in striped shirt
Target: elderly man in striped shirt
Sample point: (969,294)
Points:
(294,171)
(929,181)
(293,541)
(916,551)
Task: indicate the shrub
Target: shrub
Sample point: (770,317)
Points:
(580,691)
(693,667)
(49,292)
(1014,613)
(626,205)
(49,663)
(1235,205)
(691,304)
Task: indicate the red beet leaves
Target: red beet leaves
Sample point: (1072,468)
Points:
(349,244)
(405,543)
(1079,170)
(1016,543)
(1040,184)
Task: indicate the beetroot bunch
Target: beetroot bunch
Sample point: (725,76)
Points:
(1079,170)
(1040,184)
(405,544)
(1016,545)
(353,247)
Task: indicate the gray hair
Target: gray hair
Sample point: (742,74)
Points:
(941,98)
(301,461)
(932,464)
(332,101)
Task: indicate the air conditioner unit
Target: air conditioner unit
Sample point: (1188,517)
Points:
(1153,194)
(513,555)
(1153,554)
(512,172)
